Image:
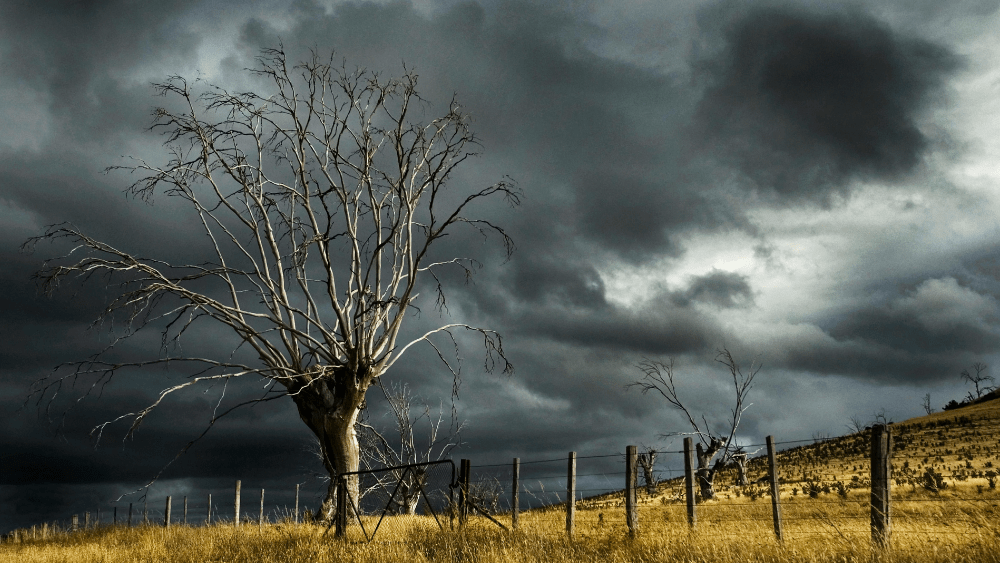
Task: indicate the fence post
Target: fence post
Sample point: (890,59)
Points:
(631,475)
(115,516)
(514,508)
(76,523)
(341,507)
(208,513)
(689,480)
(86,520)
(166,514)
(772,464)
(296,503)
(261,517)
(236,521)
(571,494)
(185,510)
(881,469)
(130,515)
(463,491)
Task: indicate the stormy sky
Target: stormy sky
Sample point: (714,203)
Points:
(811,185)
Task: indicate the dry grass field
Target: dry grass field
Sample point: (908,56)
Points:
(944,509)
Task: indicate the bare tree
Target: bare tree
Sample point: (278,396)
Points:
(927,404)
(856,425)
(659,376)
(405,447)
(979,380)
(647,460)
(321,203)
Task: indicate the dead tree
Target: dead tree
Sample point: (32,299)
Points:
(979,380)
(404,446)
(647,460)
(321,202)
(714,450)
(740,461)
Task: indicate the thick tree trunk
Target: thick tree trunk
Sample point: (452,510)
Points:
(647,461)
(706,471)
(741,469)
(329,405)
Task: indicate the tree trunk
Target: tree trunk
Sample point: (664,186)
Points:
(705,473)
(646,461)
(329,404)
(741,469)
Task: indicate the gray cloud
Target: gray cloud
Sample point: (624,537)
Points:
(803,102)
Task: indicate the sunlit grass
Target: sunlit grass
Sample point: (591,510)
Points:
(926,528)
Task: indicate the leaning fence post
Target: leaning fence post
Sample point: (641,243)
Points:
(631,476)
(208,512)
(341,521)
(571,494)
(881,477)
(772,464)
(516,472)
(76,522)
(260,522)
(236,521)
(689,480)
(296,503)
(166,514)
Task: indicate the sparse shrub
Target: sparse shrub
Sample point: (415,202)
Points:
(991,479)
(933,481)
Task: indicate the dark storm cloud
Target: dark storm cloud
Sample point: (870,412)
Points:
(803,102)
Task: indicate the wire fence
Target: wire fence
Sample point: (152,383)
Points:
(824,488)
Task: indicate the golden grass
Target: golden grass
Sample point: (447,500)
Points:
(926,528)
(957,524)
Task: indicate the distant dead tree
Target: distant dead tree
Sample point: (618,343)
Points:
(659,376)
(926,404)
(647,460)
(322,202)
(404,446)
(856,425)
(979,380)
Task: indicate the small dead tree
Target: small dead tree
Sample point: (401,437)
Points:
(980,380)
(926,404)
(405,447)
(321,200)
(714,450)
(647,460)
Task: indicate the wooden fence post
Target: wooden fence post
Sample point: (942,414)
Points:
(881,477)
(341,507)
(236,521)
(689,480)
(166,514)
(631,476)
(772,464)
(571,494)
(185,510)
(463,491)
(115,516)
(130,515)
(261,517)
(296,503)
(76,523)
(208,512)
(514,508)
